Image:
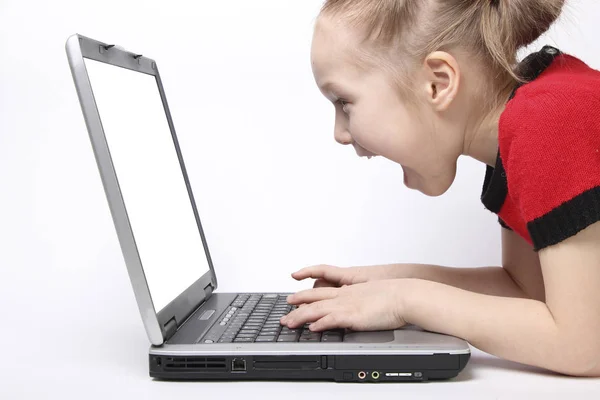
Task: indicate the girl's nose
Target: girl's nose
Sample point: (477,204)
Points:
(342,136)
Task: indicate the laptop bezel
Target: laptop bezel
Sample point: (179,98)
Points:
(162,324)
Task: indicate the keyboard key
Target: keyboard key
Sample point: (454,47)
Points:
(309,339)
(245,335)
(225,340)
(287,338)
(270,330)
(262,339)
(278,326)
(250,328)
(243,340)
(331,339)
(272,326)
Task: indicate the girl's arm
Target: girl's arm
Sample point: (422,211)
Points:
(560,334)
(520,276)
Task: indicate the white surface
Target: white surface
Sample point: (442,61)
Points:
(277,194)
(150,179)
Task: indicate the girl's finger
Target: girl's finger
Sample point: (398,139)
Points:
(309,313)
(312,295)
(327,272)
(330,321)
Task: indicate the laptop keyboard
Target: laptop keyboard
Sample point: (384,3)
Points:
(254,318)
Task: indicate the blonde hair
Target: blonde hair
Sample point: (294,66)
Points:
(491,30)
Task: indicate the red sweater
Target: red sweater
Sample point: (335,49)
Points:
(546,182)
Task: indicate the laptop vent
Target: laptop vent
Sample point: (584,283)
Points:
(195,363)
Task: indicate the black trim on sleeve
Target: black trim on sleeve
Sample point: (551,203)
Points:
(566,220)
(503,224)
(495,187)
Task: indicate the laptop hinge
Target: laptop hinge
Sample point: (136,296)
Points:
(170,328)
(208,291)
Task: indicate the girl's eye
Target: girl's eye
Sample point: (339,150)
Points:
(344,105)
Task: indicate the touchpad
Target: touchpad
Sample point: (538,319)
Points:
(369,337)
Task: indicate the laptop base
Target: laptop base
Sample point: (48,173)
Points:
(339,368)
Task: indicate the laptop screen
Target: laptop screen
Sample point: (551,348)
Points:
(150,178)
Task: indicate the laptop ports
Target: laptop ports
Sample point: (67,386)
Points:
(238,365)
(362,375)
(375,375)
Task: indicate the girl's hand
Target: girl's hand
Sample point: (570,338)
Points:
(370,306)
(330,276)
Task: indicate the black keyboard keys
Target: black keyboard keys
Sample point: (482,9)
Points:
(256,319)
(308,336)
(244,340)
(266,339)
(332,336)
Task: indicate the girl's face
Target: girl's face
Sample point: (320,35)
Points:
(371,115)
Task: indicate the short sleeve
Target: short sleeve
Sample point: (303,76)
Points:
(554,165)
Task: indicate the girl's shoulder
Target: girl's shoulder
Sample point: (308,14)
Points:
(549,137)
(557,79)
(560,102)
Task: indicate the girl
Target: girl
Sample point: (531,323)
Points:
(421,82)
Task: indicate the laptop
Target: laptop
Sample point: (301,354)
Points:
(195,331)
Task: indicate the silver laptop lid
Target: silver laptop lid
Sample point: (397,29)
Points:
(145,181)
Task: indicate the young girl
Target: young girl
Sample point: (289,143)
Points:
(423,82)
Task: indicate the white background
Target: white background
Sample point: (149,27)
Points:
(274,191)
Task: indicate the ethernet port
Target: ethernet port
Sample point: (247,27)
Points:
(238,364)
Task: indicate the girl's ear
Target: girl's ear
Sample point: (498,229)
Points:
(442,79)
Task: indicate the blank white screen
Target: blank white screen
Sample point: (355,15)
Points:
(150,178)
